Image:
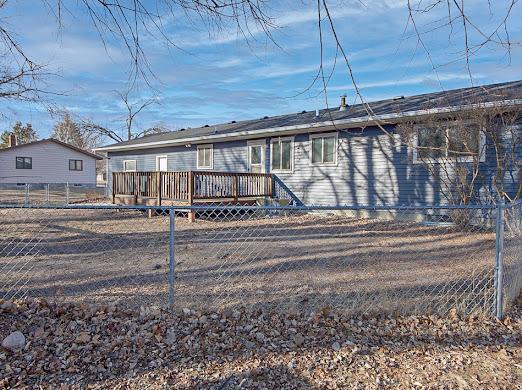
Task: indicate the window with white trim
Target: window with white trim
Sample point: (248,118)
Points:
(129,165)
(323,149)
(205,156)
(282,154)
(436,144)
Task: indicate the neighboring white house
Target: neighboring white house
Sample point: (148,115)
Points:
(47,161)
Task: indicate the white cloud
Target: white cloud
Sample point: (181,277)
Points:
(424,80)
(75,54)
(288,19)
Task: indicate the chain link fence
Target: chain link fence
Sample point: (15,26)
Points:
(50,193)
(511,275)
(352,259)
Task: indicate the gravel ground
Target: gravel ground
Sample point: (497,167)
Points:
(293,262)
(83,346)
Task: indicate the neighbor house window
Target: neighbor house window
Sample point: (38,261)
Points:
(205,156)
(282,154)
(324,149)
(24,163)
(435,144)
(75,165)
(129,165)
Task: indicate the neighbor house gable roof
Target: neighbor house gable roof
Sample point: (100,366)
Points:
(57,142)
(384,111)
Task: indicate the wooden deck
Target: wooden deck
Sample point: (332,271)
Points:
(189,187)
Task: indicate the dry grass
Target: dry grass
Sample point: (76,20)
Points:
(295,262)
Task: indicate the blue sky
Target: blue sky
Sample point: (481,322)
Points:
(219,77)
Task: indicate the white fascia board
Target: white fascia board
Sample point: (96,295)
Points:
(312,127)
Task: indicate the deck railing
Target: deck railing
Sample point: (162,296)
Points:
(190,186)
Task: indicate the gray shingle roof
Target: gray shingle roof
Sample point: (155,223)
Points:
(55,141)
(453,98)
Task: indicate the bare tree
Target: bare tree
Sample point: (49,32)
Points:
(127,21)
(492,37)
(475,36)
(20,77)
(106,133)
(133,108)
(69,131)
(130,21)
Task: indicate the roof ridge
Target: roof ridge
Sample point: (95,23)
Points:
(454,98)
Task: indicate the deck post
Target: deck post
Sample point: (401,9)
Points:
(271,185)
(136,187)
(191,186)
(158,187)
(113,187)
(235,187)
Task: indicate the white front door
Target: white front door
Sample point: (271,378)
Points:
(161,163)
(256,156)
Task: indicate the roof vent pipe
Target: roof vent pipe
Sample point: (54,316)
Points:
(12,140)
(342,106)
(316,112)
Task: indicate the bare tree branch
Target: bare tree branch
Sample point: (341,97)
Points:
(133,109)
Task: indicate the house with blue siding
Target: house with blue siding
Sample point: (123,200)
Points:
(413,150)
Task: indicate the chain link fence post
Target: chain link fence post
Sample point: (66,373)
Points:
(499,251)
(67,193)
(26,202)
(172,227)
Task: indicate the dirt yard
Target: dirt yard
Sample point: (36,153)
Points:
(294,262)
(70,346)
(37,194)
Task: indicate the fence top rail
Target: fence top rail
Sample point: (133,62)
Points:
(248,207)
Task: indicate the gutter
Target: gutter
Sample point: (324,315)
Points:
(314,127)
